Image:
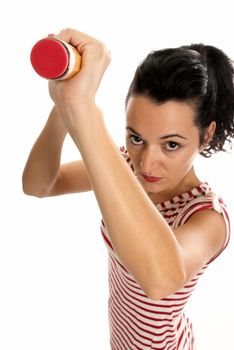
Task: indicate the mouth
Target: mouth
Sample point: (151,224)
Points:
(151,178)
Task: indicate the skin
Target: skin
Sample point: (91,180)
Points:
(155,152)
(160,259)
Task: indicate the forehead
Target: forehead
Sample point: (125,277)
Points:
(172,115)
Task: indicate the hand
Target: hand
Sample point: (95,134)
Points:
(94,61)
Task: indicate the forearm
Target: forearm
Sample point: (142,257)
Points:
(43,162)
(141,237)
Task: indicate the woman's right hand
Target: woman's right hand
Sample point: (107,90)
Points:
(95,58)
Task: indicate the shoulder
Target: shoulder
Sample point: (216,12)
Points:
(207,225)
(205,222)
(202,238)
(205,199)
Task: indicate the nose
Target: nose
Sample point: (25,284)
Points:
(151,159)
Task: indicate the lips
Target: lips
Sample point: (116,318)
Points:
(151,178)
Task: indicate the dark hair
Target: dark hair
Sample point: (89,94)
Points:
(199,74)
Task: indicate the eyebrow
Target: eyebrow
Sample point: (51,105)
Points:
(161,138)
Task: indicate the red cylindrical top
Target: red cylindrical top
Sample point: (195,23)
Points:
(49,58)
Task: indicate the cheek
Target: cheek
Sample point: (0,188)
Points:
(132,151)
(134,155)
(181,163)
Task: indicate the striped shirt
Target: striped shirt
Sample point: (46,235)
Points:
(137,322)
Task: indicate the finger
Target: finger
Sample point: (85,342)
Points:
(75,38)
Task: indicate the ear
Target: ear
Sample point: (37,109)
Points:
(208,135)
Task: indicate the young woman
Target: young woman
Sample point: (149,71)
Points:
(162,225)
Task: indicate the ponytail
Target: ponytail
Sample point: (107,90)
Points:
(218,102)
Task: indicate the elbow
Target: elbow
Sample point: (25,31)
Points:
(167,286)
(32,190)
(33,193)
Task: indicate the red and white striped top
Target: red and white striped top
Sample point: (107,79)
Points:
(137,322)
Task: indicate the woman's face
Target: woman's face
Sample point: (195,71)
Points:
(162,142)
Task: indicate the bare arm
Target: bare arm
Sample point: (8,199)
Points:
(160,259)
(43,175)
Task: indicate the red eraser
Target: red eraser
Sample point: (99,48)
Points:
(49,58)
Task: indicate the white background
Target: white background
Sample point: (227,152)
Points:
(53,263)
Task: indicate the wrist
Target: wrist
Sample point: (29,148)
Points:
(78,105)
(80,117)
(57,122)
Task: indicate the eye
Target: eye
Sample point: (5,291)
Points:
(172,146)
(135,140)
